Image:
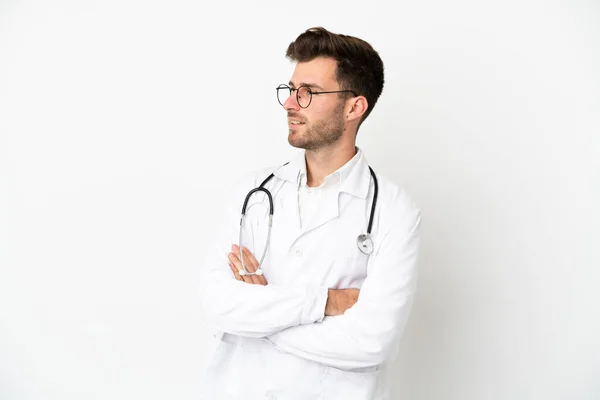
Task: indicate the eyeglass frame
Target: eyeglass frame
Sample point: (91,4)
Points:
(312,92)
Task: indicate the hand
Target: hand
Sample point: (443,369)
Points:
(250,263)
(340,300)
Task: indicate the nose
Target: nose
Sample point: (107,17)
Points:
(291,103)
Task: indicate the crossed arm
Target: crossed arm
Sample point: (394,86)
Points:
(338,300)
(346,329)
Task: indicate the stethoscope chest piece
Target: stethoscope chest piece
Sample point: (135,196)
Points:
(365,244)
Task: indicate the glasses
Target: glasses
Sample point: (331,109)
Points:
(304,94)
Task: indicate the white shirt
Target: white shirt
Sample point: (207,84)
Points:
(273,341)
(309,198)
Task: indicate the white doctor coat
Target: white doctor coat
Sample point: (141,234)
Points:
(273,341)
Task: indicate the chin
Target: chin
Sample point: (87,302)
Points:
(296,143)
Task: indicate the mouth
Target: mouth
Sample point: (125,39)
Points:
(293,123)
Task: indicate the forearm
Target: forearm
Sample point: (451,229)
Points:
(254,310)
(244,309)
(367,333)
(350,341)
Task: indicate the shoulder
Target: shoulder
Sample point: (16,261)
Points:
(255,177)
(396,208)
(249,181)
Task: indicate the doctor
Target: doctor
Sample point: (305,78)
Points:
(319,317)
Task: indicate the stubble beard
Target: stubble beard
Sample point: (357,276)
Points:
(321,134)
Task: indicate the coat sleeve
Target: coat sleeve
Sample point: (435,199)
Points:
(239,308)
(367,334)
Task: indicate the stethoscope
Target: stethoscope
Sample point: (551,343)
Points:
(363,241)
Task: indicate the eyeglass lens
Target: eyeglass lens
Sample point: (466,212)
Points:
(303,95)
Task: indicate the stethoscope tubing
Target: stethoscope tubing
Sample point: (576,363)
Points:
(261,188)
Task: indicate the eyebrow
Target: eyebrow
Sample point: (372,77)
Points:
(312,85)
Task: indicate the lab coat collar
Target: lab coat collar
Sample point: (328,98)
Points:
(354,174)
(292,170)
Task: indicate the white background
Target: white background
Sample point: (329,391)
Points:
(123,124)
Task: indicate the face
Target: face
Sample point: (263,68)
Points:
(321,124)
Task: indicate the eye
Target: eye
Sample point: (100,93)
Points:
(304,91)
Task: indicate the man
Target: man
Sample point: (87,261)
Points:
(321,316)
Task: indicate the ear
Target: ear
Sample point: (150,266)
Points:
(357,106)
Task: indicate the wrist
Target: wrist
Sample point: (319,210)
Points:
(332,306)
(340,300)
(329,304)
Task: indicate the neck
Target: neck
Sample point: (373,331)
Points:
(323,162)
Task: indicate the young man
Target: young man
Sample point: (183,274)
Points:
(321,316)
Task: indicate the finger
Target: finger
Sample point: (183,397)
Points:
(233,258)
(250,267)
(262,280)
(236,274)
(258,279)
(248,257)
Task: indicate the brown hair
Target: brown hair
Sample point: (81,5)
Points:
(359,67)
